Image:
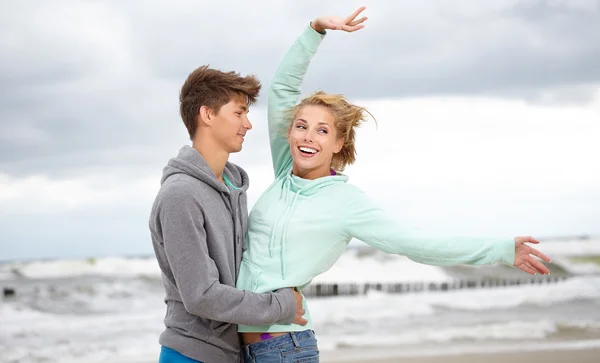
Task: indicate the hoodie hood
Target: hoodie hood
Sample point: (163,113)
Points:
(308,186)
(293,187)
(189,161)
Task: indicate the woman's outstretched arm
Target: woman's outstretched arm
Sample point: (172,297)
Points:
(370,224)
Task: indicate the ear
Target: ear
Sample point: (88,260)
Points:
(205,116)
(339,144)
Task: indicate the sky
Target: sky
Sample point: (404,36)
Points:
(488,113)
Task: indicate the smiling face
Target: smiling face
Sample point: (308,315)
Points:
(313,141)
(230,124)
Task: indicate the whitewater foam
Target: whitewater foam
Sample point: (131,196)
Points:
(354,266)
(108,266)
(111,309)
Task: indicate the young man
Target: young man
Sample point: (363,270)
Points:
(198,224)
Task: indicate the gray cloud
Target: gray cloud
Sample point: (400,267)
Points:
(94,85)
(405,51)
(507,53)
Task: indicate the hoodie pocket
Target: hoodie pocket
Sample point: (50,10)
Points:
(249,277)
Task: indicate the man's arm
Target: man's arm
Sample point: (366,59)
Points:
(197,276)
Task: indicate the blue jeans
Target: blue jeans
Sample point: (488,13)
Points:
(168,355)
(296,347)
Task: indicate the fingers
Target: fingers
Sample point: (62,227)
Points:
(299,318)
(525,239)
(530,264)
(359,21)
(350,29)
(300,321)
(540,255)
(334,26)
(527,268)
(538,266)
(355,14)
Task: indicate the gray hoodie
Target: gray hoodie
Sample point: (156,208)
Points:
(198,225)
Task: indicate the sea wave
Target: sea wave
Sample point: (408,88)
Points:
(393,306)
(359,265)
(122,317)
(109,266)
(487,332)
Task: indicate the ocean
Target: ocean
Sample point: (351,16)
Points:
(111,309)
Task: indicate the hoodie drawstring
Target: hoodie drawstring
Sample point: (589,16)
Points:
(271,240)
(285,216)
(284,234)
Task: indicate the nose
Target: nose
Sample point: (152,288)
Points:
(308,136)
(247,124)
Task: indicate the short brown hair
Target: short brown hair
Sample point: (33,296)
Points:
(347,116)
(213,88)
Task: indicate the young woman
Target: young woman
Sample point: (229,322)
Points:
(302,223)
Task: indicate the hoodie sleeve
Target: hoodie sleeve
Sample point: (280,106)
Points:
(197,277)
(368,223)
(284,92)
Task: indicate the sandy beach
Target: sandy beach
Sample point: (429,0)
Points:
(545,356)
(591,355)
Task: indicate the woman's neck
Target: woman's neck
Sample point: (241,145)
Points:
(311,174)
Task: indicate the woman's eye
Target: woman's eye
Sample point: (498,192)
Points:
(323,131)
(300,127)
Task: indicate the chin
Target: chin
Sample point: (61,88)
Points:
(306,166)
(236,149)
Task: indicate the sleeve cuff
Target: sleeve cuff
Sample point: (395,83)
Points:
(506,251)
(312,38)
(287,301)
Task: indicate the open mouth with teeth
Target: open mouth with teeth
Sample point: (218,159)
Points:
(307,151)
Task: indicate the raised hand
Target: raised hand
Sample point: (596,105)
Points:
(348,24)
(524,259)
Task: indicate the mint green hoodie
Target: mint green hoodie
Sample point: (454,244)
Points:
(299,228)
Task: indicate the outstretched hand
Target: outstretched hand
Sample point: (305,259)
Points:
(348,24)
(524,259)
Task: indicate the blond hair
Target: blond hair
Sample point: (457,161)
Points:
(346,115)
